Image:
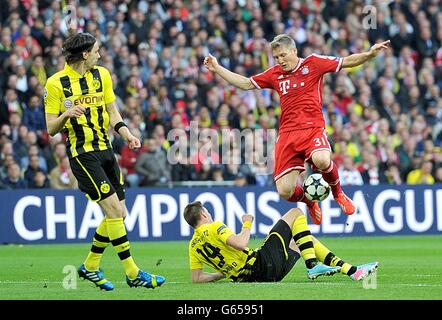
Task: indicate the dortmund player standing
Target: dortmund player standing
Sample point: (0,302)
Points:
(80,100)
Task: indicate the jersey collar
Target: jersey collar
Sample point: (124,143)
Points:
(72,73)
(300,60)
(200,227)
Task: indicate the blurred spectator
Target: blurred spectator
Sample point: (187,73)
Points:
(33,116)
(393,176)
(54,152)
(181,167)
(13,179)
(217,174)
(231,171)
(373,175)
(422,175)
(61,177)
(128,160)
(262,177)
(21,144)
(152,165)
(31,170)
(7,160)
(182,170)
(240,180)
(10,104)
(349,175)
(40,181)
(206,153)
(426,46)
(15,122)
(33,150)
(37,69)
(7,150)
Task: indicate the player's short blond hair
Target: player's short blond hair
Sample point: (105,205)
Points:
(282,40)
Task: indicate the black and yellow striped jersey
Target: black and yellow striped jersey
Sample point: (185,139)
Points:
(208,246)
(68,88)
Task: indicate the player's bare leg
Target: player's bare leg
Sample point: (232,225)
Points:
(322,160)
(289,189)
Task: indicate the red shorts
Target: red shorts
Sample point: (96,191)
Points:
(293,148)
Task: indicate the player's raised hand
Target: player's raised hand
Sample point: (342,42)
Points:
(210,62)
(75,111)
(247,217)
(378,47)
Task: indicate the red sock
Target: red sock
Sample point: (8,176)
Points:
(298,196)
(331,175)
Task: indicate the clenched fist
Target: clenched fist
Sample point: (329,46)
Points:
(211,63)
(134,142)
(247,217)
(75,111)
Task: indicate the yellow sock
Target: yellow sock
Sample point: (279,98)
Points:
(328,258)
(99,243)
(303,239)
(118,238)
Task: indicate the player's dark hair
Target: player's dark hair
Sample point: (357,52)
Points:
(192,213)
(74,46)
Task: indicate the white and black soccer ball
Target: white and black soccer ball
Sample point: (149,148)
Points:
(316,188)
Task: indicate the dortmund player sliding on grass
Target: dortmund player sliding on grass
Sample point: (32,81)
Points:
(80,101)
(215,245)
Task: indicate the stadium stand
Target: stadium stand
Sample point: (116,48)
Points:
(384,118)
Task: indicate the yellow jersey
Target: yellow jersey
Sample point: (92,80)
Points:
(208,246)
(67,88)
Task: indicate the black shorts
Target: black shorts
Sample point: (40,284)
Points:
(98,174)
(274,258)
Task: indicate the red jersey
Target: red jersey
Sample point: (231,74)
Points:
(300,90)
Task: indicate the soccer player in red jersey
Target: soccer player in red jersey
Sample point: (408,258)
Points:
(302,136)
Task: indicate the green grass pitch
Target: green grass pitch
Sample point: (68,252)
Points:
(410,268)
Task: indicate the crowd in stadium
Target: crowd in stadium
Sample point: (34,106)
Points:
(384,118)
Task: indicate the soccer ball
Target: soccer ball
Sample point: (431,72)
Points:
(316,188)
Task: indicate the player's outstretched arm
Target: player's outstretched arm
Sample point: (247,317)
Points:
(360,58)
(239,81)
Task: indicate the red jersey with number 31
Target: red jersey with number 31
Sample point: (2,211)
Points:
(300,90)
